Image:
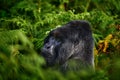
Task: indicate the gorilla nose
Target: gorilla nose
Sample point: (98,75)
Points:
(47,46)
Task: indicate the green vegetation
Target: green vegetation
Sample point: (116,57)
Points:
(25,23)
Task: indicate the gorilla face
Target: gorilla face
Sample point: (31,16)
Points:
(73,41)
(50,49)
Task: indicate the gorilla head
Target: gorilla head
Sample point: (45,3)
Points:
(70,47)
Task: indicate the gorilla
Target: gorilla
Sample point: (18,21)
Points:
(69,47)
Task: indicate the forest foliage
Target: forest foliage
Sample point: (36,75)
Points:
(25,23)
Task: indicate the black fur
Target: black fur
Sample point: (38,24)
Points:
(70,47)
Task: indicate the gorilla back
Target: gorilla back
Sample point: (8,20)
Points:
(70,47)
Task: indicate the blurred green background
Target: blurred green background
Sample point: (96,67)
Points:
(25,23)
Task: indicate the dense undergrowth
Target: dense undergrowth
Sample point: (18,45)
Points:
(25,23)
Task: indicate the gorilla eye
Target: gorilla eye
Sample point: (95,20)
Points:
(56,38)
(59,39)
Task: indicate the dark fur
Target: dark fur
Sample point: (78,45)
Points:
(70,47)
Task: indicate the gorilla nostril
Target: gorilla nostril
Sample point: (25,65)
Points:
(48,47)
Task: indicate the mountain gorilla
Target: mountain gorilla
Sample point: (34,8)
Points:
(70,47)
